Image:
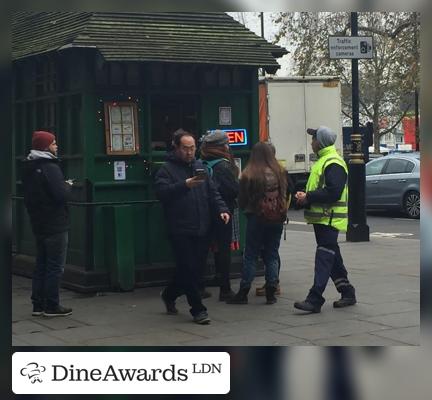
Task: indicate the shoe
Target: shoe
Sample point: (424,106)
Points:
(37,311)
(260,291)
(59,311)
(344,302)
(205,294)
(270,294)
(225,295)
(201,318)
(240,297)
(307,306)
(169,305)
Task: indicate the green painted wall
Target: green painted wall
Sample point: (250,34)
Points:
(81,91)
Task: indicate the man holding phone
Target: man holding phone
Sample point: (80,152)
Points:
(190,199)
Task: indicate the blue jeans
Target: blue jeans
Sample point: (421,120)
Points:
(261,239)
(50,262)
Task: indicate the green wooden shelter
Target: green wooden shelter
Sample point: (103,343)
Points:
(113,87)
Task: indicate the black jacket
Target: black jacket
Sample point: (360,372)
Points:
(335,179)
(187,211)
(45,196)
(226,183)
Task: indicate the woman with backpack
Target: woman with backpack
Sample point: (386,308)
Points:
(216,155)
(260,291)
(263,198)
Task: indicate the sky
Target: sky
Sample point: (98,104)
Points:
(252,21)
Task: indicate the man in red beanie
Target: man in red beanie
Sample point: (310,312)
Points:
(45,196)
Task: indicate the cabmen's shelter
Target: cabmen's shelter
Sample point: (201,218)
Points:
(114,87)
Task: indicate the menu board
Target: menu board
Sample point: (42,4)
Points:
(121,128)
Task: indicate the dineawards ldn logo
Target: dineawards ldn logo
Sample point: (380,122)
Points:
(121,373)
(33,371)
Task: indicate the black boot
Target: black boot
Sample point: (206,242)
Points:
(348,298)
(240,297)
(225,294)
(270,294)
(307,306)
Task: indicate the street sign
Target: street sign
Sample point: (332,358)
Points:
(350,46)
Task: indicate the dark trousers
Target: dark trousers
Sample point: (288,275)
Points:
(328,264)
(189,253)
(50,261)
(222,235)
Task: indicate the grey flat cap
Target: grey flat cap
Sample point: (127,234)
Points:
(325,136)
(215,138)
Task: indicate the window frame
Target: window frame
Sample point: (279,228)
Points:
(382,169)
(385,172)
(108,128)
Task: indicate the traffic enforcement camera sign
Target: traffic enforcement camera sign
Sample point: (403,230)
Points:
(350,47)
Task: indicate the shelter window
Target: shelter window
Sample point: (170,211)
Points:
(121,128)
(45,78)
(116,74)
(169,113)
(224,77)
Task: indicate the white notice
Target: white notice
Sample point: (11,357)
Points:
(119,170)
(350,47)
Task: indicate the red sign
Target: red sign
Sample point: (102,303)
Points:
(237,137)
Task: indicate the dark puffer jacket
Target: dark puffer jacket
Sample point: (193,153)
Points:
(45,196)
(187,211)
(226,183)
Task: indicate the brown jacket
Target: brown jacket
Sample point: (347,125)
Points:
(250,194)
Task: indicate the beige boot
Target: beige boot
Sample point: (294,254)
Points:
(260,291)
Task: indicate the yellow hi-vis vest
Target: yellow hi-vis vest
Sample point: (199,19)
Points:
(333,214)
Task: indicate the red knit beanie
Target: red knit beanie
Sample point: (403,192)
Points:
(41,140)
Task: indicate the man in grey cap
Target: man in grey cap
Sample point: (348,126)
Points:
(326,207)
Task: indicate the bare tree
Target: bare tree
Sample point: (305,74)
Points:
(387,82)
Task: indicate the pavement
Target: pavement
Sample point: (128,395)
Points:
(384,271)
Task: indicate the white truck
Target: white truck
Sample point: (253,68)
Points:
(290,105)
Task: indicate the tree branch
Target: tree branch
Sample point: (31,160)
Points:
(381,32)
(385,131)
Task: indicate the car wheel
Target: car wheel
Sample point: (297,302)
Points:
(412,204)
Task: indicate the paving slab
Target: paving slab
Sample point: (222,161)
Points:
(330,330)
(364,339)
(384,271)
(400,320)
(410,335)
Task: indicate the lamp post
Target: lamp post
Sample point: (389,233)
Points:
(358,230)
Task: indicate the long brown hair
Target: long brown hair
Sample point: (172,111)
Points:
(262,157)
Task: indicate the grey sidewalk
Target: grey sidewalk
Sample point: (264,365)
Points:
(385,272)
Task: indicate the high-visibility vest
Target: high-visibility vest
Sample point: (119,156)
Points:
(333,214)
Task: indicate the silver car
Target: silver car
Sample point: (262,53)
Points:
(393,182)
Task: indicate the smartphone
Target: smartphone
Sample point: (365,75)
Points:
(201,173)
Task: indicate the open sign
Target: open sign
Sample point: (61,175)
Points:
(237,137)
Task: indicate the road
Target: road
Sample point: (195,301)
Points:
(381,224)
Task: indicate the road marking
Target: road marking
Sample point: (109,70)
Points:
(296,223)
(405,219)
(390,235)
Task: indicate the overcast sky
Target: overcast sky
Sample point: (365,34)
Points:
(252,21)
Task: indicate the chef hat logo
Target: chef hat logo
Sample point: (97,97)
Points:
(33,371)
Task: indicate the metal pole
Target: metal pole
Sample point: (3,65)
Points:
(358,230)
(262,24)
(262,35)
(416,94)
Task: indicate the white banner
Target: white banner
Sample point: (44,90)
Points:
(120,373)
